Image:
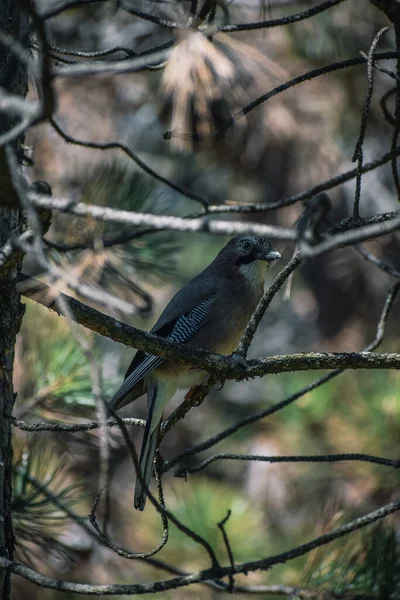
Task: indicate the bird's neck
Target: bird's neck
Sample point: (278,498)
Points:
(254,275)
(250,276)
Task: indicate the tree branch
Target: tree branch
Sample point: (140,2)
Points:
(203,224)
(306,14)
(227,367)
(73,427)
(199,576)
(380,330)
(328,458)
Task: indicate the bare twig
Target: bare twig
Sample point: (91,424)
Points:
(159,506)
(7,251)
(103,213)
(221,525)
(199,576)
(128,554)
(307,14)
(152,18)
(265,301)
(29,111)
(350,237)
(328,458)
(128,65)
(132,155)
(358,152)
(307,194)
(376,261)
(73,427)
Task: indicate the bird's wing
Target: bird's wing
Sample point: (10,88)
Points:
(202,288)
(145,366)
(186,313)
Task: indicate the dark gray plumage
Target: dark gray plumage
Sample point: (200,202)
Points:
(209,312)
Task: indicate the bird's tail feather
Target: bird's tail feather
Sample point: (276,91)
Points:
(149,443)
(146,460)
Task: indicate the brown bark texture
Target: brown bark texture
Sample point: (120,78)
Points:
(13,79)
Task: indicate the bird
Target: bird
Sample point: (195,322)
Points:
(210,312)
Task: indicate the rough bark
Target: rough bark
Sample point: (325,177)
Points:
(13,78)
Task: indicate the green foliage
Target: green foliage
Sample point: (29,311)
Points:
(120,268)
(40,484)
(116,184)
(201,504)
(62,370)
(55,369)
(366,563)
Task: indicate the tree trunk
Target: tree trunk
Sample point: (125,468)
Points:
(13,78)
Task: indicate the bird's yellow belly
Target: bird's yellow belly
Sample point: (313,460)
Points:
(186,376)
(230,343)
(182,375)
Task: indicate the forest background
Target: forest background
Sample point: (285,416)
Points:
(292,142)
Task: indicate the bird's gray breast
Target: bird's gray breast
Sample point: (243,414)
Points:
(229,313)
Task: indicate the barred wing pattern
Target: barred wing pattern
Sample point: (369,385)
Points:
(185,327)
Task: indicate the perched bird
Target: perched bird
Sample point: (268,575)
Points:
(210,312)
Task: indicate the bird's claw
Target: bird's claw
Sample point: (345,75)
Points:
(240,361)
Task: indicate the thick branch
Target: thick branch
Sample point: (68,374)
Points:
(226,367)
(71,427)
(314,361)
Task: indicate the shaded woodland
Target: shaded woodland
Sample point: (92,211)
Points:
(300,142)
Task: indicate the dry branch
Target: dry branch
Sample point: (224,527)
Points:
(226,367)
(199,576)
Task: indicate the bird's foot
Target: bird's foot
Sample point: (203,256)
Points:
(240,365)
(239,360)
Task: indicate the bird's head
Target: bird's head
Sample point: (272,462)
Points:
(250,254)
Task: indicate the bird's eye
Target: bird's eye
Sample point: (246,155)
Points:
(246,246)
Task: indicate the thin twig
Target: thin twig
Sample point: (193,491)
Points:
(358,152)
(307,194)
(221,525)
(376,261)
(159,506)
(307,14)
(350,237)
(152,18)
(199,576)
(328,458)
(127,65)
(264,303)
(314,73)
(133,156)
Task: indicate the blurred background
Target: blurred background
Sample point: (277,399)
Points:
(288,144)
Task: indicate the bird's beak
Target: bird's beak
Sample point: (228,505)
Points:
(269,256)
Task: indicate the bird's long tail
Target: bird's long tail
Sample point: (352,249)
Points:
(155,408)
